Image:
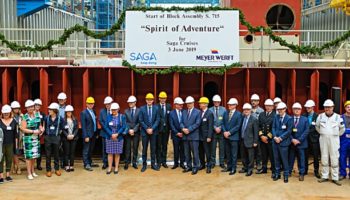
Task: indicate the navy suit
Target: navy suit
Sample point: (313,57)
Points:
(179,153)
(163,136)
(300,132)
(89,129)
(191,140)
(233,126)
(149,122)
(283,130)
(102,120)
(206,131)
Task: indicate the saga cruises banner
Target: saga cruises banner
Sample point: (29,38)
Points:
(155,38)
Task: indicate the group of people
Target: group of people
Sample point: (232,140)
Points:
(259,135)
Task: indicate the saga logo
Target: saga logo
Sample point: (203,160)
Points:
(143,56)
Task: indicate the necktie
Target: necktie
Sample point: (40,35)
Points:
(296,121)
(132,113)
(179,116)
(150,114)
(163,108)
(230,116)
(203,113)
(188,114)
(244,126)
(217,112)
(281,119)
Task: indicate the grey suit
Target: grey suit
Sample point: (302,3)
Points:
(249,136)
(132,122)
(219,113)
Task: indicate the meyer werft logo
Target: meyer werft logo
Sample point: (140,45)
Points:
(214,57)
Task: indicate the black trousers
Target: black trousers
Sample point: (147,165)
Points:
(266,155)
(69,151)
(162,146)
(316,152)
(131,145)
(247,156)
(146,139)
(258,156)
(205,153)
(52,145)
(179,152)
(231,154)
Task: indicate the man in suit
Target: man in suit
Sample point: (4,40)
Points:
(249,139)
(103,133)
(313,139)
(299,141)
(175,119)
(218,137)
(232,123)
(149,121)
(191,120)
(132,136)
(164,109)
(89,132)
(281,130)
(256,111)
(205,134)
(265,128)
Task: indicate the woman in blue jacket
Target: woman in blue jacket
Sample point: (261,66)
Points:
(115,126)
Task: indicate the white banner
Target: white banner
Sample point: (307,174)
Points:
(156,38)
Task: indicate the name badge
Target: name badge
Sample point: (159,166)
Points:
(168,112)
(66,127)
(0,139)
(204,119)
(313,123)
(9,128)
(40,116)
(52,128)
(111,123)
(347,135)
(295,130)
(284,126)
(220,118)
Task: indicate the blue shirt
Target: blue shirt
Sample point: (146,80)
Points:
(93,118)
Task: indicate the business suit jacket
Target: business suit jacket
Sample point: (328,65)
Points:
(206,128)
(120,129)
(175,124)
(265,124)
(233,126)
(164,118)
(75,129)
(144,122)
(102,120)
(279,131)
(218,120)
(132,122)
(251,132)
(192,124)
(302,132)
(314,136)
(87,124)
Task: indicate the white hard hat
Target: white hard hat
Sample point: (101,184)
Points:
(131,99)
(54,106)
(232,101)
(15,104)
(178,100)
(309,103)
(216,98)
(108,100)
(189,99)
(115,106)
(6,109)
(69,108)
(281,105)
(328,103)
(255,97)
(268,102)
(296,106)
(277,100)
(62,96)
(29,103)
(38,102)
(247,106)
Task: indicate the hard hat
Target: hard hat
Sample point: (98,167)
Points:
(309,104)
(54,106)
(277,100)
(115,106)
(62,96)
(178,100)
(131,99)
(15,104)
(255,97)
(38,102)
(232,101)
(281,105)
(90,100)
(296,106)
(29,103)
(247,106)
(189,99)
(149,96)
(162,95)
(268,102)
(328,103)
(204,100)
(6,109)
(108,100)
(69,108)
(346,103)
(216,98)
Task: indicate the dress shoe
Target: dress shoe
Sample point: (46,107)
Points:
(202,167)
(285,179)
(249,173)
(194,171)
(115,172)
(301,178)
(317,175)
(39,168)
(134,166)
(336,182)
(341,178)
(222,166)
(48,174)
(108,172)
(322,180)
(126,167)
(58,173)
(165,165)
(71,169)
(276,177)
(88,168)
(155,167)
(242,171)
(182,166)
(144,167)
(94,165)
(225,170)
(175,166)
(232,172)
(104,167)
(187,170)
(208,170)
(213,166)
(261,171)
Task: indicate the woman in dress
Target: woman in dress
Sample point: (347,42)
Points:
(18,149)
(115,126)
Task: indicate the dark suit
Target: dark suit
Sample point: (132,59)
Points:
(149,122)
(283,130)
(206,131)
(102,120)
(179,153)
(69,145)
(89,129)
(314,144)
(265,129)
(132,122)
(163,135)
(300,132)
(191,140)
(249,136)
(233,126)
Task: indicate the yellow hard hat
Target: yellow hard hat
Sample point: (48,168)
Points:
(162,94)
(149,96)
(346,103)
(203,100)
(90,100)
